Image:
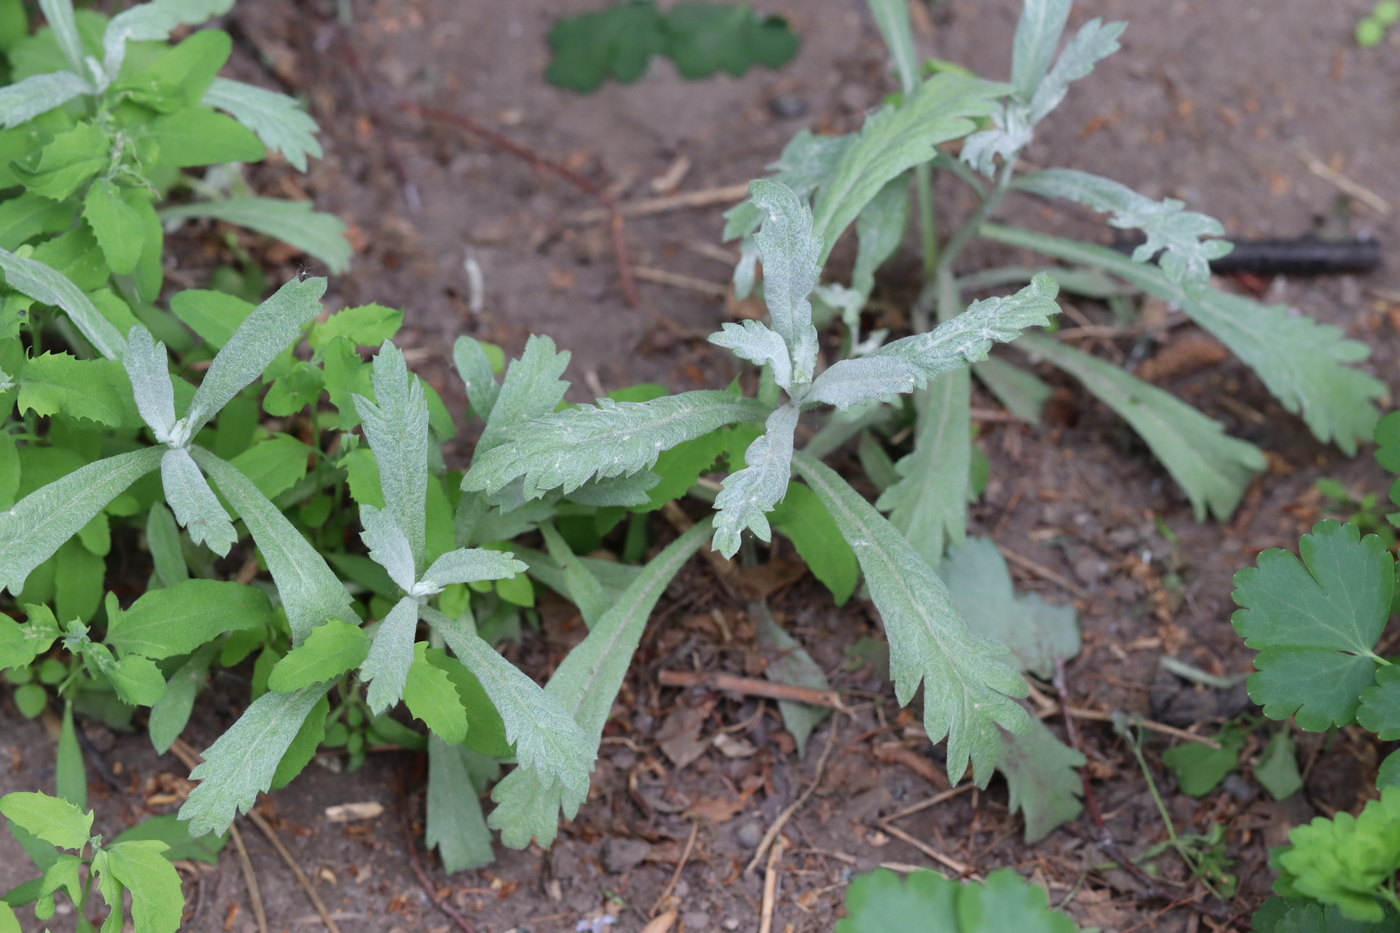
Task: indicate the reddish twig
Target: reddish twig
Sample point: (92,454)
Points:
(463,923)
(748,686)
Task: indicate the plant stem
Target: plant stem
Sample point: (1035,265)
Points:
(942,291)
(928,222)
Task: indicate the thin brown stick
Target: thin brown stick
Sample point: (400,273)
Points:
(677,280)
(676,875)
(705,197)
(266,829)
(1324,171)
(1043,572)
(749,686)
(930,802)
(447,909)
(947,861)
(1095,715)
(796,805)
(250,879)
(770,887)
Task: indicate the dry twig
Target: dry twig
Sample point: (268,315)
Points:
(770,887)
(1044,573)
(705,197)
(947,861)
(249,878)
(796,805)
(676,875)
(749,686)
(462,923)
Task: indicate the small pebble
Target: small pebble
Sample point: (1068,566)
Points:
(787,106)
(750,835)
(696,920)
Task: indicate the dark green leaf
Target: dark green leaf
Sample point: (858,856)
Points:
(169,829)
(171,712)
(214,316)
(1042,777)
(329,651)
(1277,768)
(703,38)
(432,697)
(275,465)
(118,226)
(178,619)
(616,42)
(455,824)
(806,522)
(69,160)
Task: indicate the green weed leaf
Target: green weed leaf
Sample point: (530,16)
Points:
(59,383)
(803,519)
(156,900)
(365,326)
(1347,860)
(1199,769)
(214,316)
(397,430)
(178,619)
(296,223)
(119,227)
(278,120)
(329,651)
(703,38)
(194,503)
(47,286)
(1315,623)
(274,465)
(749,494)
(456,825)
(21,644)
(1277,769)
(880,901)
(1380,705)
(1042,778)
(430,695)
(616,42)
(171,712)
(52,819)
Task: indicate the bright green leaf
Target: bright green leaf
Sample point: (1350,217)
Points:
(329,651)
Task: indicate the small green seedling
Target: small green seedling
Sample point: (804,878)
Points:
(1371,29)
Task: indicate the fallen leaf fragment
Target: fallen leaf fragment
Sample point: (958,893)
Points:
(349,812)
(662,923)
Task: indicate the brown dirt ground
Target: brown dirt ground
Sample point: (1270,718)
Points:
(1206,102)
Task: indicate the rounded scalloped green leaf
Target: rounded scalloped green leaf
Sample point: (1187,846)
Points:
(1380,705)
(881,901)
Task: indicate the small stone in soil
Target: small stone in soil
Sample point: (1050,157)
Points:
(787,106)
(620,855)
(750,835)
(696,920)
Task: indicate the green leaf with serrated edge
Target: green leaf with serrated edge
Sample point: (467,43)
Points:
(1211,467)
(682,465)
(1380,705)
(136,680)
(266,332)
(52,819)
(967,684)
(38,524)
(156,901)
(787,662)
(367,325)
(310,591)
(194,503)
(118,226)
(880,901)
(303,746)
(475,369)
(171,712)
(163,541)
(547,742)
(178,619)
(1167,225)
(329,651)
(1300,361)
(214,316)
(805,522)
(585,590)
(470,565)
(280,122)
(928,505)
(274,465)
(1022,392)
(487,732)
(791,268)
(168,829)
(295,223)
(894,140)
(1034,631)
(386,666)
(345,374)
(1042,779)
(397,430)
(429,694)
(293,391)
(65,162)
(1038,34)
(1315,623)
(455,822)
(749,494)
(148,368)
(755,342)
(25,100)
(586,684)
(59,383)
(616,42)
(1198,768)
(21,644)
(1345,861)
(30,215)
(1006,901)
(241,763)
(1277,768)
(532,389)
(62,874)
(612,439)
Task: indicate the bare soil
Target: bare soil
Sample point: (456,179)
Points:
(1208,102)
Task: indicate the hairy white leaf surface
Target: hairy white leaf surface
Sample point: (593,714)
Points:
(277,119)
(240,765)
(388,546)
(472,565)
(1038,34)
(791,268)
(568,448)
(585,685)
(154,21)
(532,389)
(148,368)
(758,344)
(194,503)
(59,15)
(38,524)
(25,100)
(865,378)
(397,431)
(892,19)
(1213,468)
(456,826)
(630,490)
(1168,227)
(1302,362)
(385,669)
(751,493)
(475,370)
(807,162)
(51,287)
(264,333)
(311,593)
(967,682)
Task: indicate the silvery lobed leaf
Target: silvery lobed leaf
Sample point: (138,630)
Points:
(475,370)
(25,100)
(278,120)
(149,370)
(194,503)
(264,333)
(570,447)
(751,493)
(1011,131)
(1038,34)
(397,430)
(388,546)
(586,685)
(48,286)
(241,763)
(865,378)
(1094,41)
(532,389)
(472,565)
(630,490)
(967,682)
(36,526)
(758,344)
(968,338)
(310,592)
(1168,227)
(892,19)
(807,163)
(547,741)
(154,21)
(59,15)
(390,656)
(791,269)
